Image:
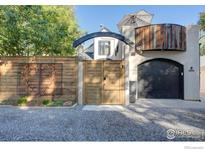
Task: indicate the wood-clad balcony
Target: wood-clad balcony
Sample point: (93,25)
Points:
(158,37)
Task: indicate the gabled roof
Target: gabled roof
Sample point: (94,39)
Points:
(90,54)
(141,17)
(104,29)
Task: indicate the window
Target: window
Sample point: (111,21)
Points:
(104,47)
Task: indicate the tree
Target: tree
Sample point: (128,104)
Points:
(202,34)
(202,21)
(37,30)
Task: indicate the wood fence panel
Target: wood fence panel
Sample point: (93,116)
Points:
(38,78)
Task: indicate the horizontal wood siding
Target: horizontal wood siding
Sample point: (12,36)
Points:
(38,78)
(161,37)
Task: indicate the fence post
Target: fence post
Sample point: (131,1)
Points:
(80,82)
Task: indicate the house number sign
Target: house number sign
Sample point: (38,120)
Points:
(191,69)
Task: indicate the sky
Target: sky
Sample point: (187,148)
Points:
(90,17)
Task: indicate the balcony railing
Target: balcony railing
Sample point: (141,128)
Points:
(161,37)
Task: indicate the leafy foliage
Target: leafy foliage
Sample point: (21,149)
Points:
(37,30)
(202,51)
(57,103)
(22,101)
(202,39)
(202,20)
(47,102)
(202,46)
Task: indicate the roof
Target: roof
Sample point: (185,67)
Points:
(104,29)
(90,54)
(141,17)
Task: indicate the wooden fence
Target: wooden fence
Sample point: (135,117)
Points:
(38,78)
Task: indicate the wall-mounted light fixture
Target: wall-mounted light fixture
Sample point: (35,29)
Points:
(191,69)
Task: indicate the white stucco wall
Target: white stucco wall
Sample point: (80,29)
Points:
(188,58)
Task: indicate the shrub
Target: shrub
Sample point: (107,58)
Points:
(22,101)
(58,103)
(52,103)
(46,102)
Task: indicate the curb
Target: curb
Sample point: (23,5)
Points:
(27,107)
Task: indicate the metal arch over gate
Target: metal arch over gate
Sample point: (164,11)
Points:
(103,80)
(101,34)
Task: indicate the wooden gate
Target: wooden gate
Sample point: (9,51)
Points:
(104,82)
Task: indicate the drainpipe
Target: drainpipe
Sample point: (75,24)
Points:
(200,70)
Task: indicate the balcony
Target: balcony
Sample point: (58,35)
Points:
(160,37)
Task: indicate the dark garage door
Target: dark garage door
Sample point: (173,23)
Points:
(160,78)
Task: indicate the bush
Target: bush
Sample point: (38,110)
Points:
(22,101)
(52,103)
(46,102)
(57,103)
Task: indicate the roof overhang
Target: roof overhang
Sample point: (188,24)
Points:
(101,34)
(138,17)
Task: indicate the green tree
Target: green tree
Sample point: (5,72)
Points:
(202,21)
(37,30)
(202,34)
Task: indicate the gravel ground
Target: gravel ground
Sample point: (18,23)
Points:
(131,123)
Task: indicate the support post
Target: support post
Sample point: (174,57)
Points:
(80,82)
(127,90)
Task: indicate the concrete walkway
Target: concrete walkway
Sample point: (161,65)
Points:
(170,103)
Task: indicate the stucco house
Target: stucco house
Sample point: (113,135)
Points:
(102,48)
(142,61)
(159,61)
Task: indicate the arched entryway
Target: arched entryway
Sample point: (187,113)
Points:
(103,79)
(160,78)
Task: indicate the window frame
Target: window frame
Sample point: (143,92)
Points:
(102,53)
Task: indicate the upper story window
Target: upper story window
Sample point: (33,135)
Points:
(104,47)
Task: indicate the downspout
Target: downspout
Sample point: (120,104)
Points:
(199,71)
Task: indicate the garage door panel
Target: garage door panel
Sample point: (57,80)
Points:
(155,93)
(159,79)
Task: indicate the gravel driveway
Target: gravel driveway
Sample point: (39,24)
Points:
(142,121)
